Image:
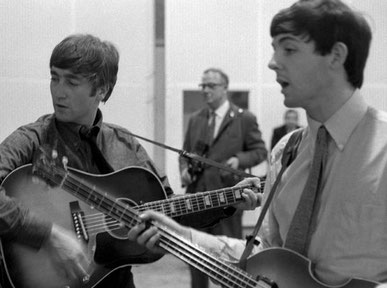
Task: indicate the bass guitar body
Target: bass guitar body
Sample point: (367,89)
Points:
(107,251)
(288,269)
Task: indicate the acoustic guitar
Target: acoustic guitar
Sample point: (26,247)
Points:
(104,237)
(271,268)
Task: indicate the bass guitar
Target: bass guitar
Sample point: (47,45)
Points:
(271,268)
(104,238)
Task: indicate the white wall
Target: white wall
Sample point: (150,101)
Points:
(230,34)
(31,29)
(375,85)
(202,34)
(234,35)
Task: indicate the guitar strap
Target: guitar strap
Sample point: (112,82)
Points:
(288,155)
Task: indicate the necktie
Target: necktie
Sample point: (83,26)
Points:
(211,128)
(303,222)
(90,135)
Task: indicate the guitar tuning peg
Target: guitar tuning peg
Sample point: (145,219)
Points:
(65,161)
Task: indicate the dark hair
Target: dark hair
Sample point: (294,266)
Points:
(221,73)
(89,56)
(327,22)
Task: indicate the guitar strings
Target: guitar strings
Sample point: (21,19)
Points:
(198,201)
(96,223)
(168,241)
(179,205)
(239,275)
(193,255)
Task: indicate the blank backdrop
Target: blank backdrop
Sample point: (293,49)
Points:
(230,34)
(31,29)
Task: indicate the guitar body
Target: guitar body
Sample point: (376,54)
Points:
(107,251)
(289,269)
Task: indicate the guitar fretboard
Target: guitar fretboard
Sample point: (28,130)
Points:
(226,274)
(182,205)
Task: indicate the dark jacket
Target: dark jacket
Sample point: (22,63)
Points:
(116,144)
(278,133)
(238,136)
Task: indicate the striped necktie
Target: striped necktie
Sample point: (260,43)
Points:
(211,127)
(304,219)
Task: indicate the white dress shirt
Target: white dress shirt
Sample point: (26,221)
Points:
(351,234)
(220,113)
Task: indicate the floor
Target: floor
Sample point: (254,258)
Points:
(168,272)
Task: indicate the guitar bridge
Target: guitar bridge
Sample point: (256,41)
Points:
(78,223)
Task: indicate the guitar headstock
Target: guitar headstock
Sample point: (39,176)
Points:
(49,167)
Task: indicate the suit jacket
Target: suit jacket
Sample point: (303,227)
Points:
(238,136)
(278,133)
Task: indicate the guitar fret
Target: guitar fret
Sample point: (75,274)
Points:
(182,205)
(128,216)
(158,207)
(195,202)
(93,199)
(101,199)
(215,200)
(90,194)
(172,207)
(188,204)
(114,210)
(164,210)
(207,200)
(238,194)
(183,208)
(155,206)
(222,197)
(178,207)
(123,213)
(146,206)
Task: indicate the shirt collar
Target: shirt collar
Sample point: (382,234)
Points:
(222,109)
(93,130)
(344,121)
(77,128)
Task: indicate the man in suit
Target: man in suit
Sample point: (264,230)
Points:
(291,124)
(226,134)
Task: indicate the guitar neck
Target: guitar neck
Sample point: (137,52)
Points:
(224,273)
(191,203)
(227,275)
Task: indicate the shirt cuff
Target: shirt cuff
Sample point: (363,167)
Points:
(33,232)
(223,247)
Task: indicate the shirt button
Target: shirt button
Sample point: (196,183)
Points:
(341,146)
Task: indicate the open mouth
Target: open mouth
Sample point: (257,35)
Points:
(283,83)
(60,106)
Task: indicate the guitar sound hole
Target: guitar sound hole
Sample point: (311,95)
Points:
(115,228)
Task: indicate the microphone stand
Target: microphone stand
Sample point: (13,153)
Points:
(195,157)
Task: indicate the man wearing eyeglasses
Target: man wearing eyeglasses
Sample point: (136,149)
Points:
(228,135)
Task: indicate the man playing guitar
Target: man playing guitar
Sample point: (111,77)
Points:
(83,74)
(320,51)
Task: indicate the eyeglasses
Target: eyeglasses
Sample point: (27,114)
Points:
(209,85)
